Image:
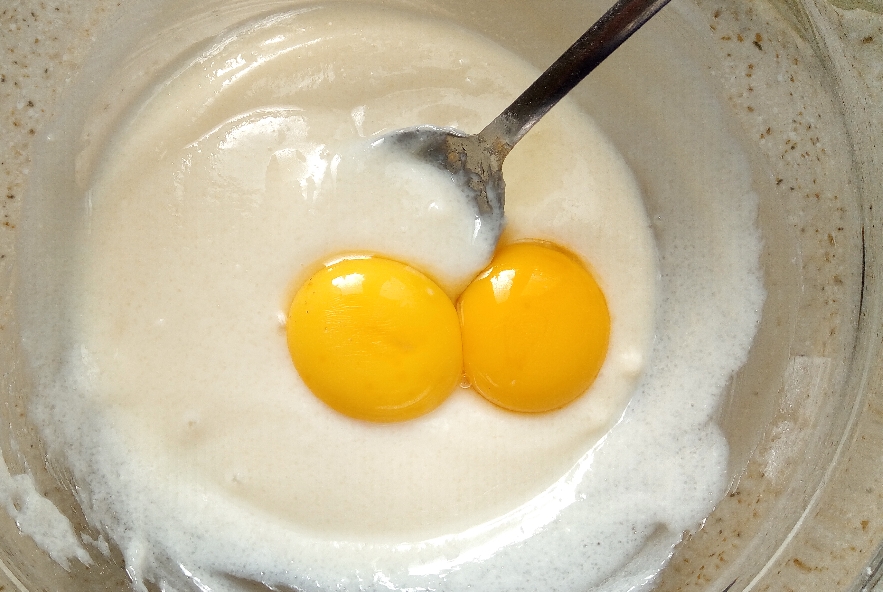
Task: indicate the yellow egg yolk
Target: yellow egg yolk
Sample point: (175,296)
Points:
(375,339)
(535,328)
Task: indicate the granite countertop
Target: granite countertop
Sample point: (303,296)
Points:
(42,45)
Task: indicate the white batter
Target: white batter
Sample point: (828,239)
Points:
(194,441)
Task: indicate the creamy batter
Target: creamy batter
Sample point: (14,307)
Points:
(195,443)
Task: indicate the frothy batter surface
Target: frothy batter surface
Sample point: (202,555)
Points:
(200,230)
(194,440)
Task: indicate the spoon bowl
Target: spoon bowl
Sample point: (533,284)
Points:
(475,166)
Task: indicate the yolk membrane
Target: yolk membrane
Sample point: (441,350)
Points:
(535,328)
(375,339)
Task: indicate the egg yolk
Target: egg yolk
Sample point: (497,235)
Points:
(375,339)
(535,328)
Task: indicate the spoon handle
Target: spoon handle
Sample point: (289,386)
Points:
(609,32)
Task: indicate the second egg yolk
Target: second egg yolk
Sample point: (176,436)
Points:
(375,339)
(535,328)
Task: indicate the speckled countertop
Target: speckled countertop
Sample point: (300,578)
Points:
(43,43)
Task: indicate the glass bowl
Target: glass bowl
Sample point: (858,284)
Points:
(799,84)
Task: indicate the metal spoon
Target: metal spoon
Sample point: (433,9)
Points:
(476,161)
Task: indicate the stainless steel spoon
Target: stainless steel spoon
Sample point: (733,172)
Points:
(476,161)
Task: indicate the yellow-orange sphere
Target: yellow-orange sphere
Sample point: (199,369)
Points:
(535,328)
(375,339)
